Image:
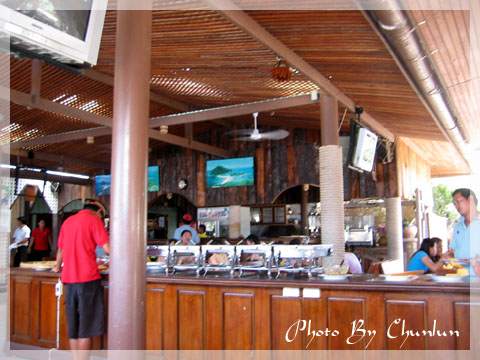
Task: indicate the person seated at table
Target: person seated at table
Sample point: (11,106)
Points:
(423,258)
(185,240)
(354,266)
(251,240)
(186,224)
(202,231)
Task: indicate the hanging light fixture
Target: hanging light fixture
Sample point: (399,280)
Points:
(164,129)
(281,71)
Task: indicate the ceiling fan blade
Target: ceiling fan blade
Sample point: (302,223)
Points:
(247,138)
(239,132)
(275,134)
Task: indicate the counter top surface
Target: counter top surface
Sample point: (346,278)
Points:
(364,282)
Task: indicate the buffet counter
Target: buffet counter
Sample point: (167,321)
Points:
(254,312)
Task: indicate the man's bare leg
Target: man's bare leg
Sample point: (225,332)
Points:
(84,345)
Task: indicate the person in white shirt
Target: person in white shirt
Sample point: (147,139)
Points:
(21,237)
(354,266)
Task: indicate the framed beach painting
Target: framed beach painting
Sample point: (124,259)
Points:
(230,172)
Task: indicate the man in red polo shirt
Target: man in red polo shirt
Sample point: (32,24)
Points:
(41,242)
(79,236)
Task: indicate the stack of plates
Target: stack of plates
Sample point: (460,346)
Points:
(335,277)
(448,279)
(397,278)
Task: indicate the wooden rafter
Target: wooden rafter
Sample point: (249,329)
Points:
(250,26)
(50,106)
(182,118)
(58,158)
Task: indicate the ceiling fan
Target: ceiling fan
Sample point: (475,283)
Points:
(255,135)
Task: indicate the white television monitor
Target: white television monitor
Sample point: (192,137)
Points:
(364,151)
(48,28)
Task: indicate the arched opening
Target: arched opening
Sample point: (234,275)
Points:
(293,195)
(31,204)
(165,212)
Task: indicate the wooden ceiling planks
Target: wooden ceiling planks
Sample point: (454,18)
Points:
(201,59)
(446,34)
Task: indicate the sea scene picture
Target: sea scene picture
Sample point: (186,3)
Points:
(102,185)
(153,183)
(230,172)
(103,182)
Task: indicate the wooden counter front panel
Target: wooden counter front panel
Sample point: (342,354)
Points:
(341,314)
(155,309)
(20,307)
(191,320)
(45,330)
(212,317)
(405,315)
(238,321)
(285,312)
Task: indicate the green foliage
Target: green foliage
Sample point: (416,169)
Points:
(220,170)
(442,200)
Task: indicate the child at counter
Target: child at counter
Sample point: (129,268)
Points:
(423,259)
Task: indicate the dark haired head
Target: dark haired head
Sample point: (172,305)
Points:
(295,241)
(202,226)
(22,219)
(185,231)
(428,243)
(466,193)
(253,238)
(91,206)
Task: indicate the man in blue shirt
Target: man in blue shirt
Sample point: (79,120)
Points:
(187,220)
(466,233)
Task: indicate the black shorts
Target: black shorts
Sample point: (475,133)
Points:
(84,309)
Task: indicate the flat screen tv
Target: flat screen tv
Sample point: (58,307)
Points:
(230,172)
(65,31)
(364,150)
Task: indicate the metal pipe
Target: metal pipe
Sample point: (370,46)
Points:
(126,311)
(400,36)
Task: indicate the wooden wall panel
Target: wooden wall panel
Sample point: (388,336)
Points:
(238,321)
(155,308)
(268,172)
(291,173)
(414,316)
(201,180)
(284,313)
(413,173)
(20,314)
(191,320)
(278,166)
(260,175)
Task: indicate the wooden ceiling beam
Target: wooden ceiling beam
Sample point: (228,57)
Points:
(61,158)
(50,106)
(233,110)
(184,142)
(62,137)
(254,29)
(24,99)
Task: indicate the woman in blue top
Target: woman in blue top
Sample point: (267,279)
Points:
(423,258)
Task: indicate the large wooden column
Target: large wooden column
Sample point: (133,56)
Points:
(331,179)
(126,313)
